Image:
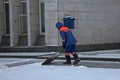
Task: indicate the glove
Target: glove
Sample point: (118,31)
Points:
(63,45)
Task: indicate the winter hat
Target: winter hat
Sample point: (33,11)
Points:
(58,25)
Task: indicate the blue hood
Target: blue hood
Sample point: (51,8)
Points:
(58,25)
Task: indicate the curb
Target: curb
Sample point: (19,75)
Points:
(61,58)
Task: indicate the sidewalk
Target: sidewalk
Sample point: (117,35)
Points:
(102,55)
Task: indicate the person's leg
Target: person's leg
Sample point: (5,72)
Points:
(75,58)
(67,55)
(73,49)
(68,59)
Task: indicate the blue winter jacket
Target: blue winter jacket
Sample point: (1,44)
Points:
(66,34)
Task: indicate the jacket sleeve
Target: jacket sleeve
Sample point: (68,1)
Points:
(62,34)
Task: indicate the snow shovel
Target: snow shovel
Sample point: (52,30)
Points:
(49,60)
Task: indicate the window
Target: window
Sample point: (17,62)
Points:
(23,17)
(7,16)
(42,17)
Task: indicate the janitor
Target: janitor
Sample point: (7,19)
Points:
(69,43)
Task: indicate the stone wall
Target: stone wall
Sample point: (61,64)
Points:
(97,21)
(33,22)
(51,16)
(14,21)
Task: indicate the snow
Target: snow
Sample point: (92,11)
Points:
(36,71)
(12,60)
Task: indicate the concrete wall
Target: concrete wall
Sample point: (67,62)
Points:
(97,21)
(2,19)
(14,21)
(51,16)
(33,24)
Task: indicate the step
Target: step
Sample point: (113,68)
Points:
(5,41)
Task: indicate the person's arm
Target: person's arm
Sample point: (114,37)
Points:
(62,34)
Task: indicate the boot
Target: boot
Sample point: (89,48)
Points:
(76,59)
(68,60)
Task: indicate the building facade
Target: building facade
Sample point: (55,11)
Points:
(32,22)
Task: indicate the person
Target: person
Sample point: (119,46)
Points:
(69,43)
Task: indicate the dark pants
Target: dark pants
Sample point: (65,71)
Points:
(70,49)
